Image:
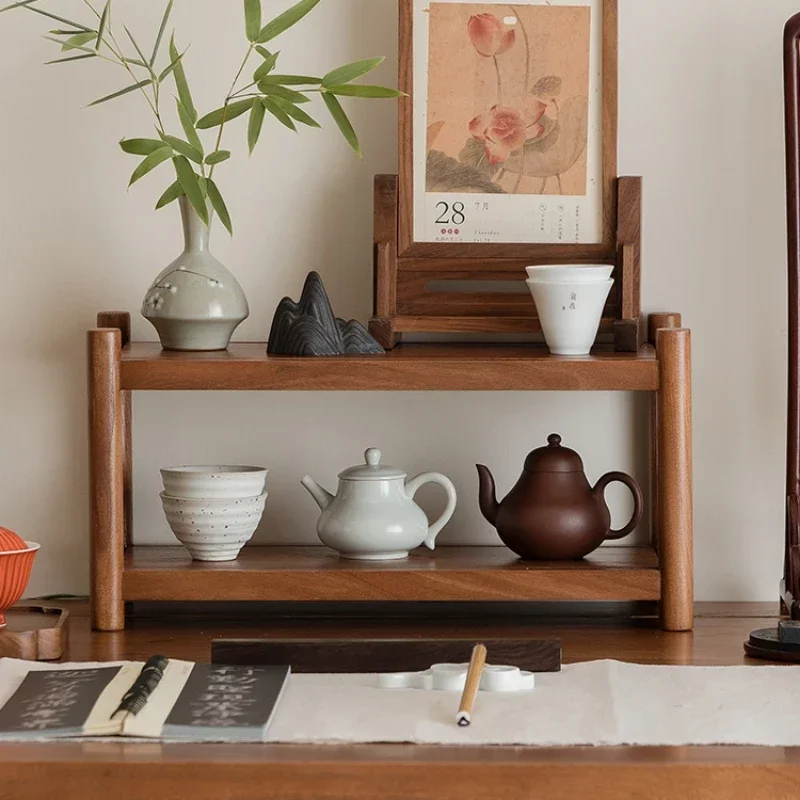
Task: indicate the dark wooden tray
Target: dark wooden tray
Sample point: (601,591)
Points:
(35,633)
(384,655)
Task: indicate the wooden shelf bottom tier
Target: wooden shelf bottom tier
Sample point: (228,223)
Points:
(292,574)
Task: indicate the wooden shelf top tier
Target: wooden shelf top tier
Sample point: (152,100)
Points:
(417,367)
(295,574)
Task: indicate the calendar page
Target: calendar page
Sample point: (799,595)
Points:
(508,121)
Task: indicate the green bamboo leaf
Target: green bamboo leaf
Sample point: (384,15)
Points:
(71,58)
(263,52)
(217,157)
(215,196)
(349,72)
(61,31)
(184,148)
(56,17)
(141,147)
(78,40)
(120,93)
(188,126)
(282,91)
(265,68)
(181,83)
(72,47)
(171,68)
(101,29)
(296,113)
(291,80)
(252,19)
(225,114)
(342,120)
(286,20)
(20,4)
(255,125)
(203,185)
(174,191)
(162,28)
(150,163)
(279,114)
(133,42)
(191,186)
(362,90)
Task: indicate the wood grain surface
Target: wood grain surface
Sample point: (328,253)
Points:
(63,771)
(449,574)
(34,633)
(423,367)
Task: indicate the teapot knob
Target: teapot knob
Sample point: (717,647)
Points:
(373,457)
(554,440)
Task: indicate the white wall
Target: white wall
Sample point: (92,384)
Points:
(700,118)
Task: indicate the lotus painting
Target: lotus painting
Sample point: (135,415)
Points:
(508,99)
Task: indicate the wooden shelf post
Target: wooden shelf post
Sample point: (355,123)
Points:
(106,459)
(674,478)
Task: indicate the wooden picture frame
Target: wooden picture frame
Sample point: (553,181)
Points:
(476,288)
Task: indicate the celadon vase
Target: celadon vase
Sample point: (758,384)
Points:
(195,303)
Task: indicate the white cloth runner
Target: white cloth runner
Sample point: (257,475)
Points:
(595,703)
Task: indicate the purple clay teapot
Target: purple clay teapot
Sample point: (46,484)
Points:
(552,513)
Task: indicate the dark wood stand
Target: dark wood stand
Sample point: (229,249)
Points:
(123,571)
(427,295)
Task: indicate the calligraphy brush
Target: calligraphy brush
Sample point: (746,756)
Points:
(476,665)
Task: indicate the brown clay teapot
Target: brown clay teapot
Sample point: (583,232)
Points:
(552,513)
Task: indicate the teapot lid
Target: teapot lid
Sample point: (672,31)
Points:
(373,470)
(553,458)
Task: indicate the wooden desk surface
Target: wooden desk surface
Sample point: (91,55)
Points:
(124,771)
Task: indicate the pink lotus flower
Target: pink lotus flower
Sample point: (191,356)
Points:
(501,129)
(533,111)
(489,36)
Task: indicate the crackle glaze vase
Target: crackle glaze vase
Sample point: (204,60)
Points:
(195,303)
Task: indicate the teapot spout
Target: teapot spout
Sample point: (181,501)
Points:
(322,497)
(487,495)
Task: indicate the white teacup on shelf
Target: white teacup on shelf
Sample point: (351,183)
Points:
(214,482)
(213,530)
(570,313)
(575,273)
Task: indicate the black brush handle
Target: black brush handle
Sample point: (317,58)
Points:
(136,697)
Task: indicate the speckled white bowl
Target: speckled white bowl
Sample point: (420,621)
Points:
(214,482)
(213,530)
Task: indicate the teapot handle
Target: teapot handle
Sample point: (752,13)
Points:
(413,486)
(638,502)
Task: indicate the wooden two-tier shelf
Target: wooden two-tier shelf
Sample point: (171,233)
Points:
(123,571)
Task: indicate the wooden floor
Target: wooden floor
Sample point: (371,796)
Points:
(124,771)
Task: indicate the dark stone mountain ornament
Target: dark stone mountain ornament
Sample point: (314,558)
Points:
(310,328)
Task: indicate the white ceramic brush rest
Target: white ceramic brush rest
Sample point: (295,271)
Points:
(453,677)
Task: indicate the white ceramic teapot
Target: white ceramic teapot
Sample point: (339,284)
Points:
(373,517)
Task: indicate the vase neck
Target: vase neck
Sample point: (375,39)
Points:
(195,232)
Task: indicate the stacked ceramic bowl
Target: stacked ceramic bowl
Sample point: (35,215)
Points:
(570,299)
(214,511)
(16,563)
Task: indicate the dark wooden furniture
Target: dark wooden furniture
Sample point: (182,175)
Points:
(790,588)
(416,292)
(70,771)
(124,571)
(412,292)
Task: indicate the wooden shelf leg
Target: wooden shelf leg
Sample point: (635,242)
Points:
(122,320)
(674,478)
(106,459)
(654,323)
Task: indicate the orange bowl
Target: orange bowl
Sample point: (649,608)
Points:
(15,572)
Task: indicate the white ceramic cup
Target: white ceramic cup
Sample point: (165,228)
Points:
(570,314)
(575,273)
(213,530)
(214,482)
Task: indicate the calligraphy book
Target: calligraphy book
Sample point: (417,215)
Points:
(162,699)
